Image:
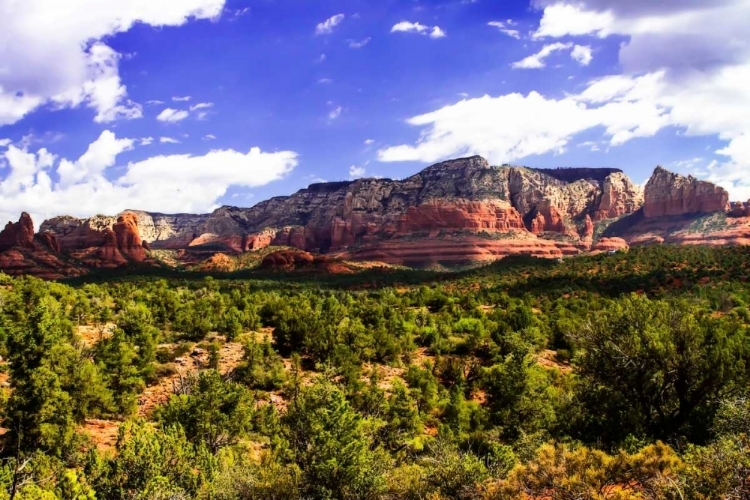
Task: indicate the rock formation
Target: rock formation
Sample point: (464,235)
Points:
(18,234)
(128,238)
(669,194)
(456,212)
(21,252)
(464,197)
(740,209)
(609,245)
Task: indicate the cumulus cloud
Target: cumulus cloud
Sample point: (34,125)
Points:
(582,54)
(168,140)
(171,115)
(409,27)
(356,172)
(563,19)
(61,59)
(167,183)
(501,26)
(437,32)
(537,61)
(327,26)
(182,98)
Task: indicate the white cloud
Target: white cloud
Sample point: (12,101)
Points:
(168,140)
(4,142)
(369,142)
(437,32)
(582,54)
(325,81)
(201,105)
(409,27)
(102,90)
(503,29)
(170,115)
(563,19)
(154,102)
(335,113)
(172,183)
(356,172)
(58,57)
(355,44)
(472,126)
(209,137)
(182,98)
(537,61)
(100,155)
(146,141)
(327,26)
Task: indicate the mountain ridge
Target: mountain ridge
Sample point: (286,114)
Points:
(454,212)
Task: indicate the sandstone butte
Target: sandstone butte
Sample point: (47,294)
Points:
(453,213)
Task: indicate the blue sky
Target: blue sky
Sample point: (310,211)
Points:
(184,105)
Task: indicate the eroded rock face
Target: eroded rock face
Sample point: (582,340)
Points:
(669,194)
(461,197)
(99,242)
(49,241)
(21,252)
(610,245)
(740,209)
(18,234)
(620,196)
(588,229)
(128,239)
(287,260)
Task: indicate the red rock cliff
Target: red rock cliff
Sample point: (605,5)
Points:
(128,240)
(18,234)
(668,194)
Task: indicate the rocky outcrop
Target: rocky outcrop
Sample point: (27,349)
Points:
(287,260)
(98,242)
(21,252)
(620,196)
(18,234)
(609,245)
(49,242)
(78,234)
(128,238)
(587,234)
(670,194)
(739,209)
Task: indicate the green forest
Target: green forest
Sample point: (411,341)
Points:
(604,377)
